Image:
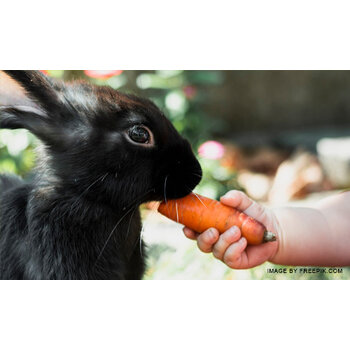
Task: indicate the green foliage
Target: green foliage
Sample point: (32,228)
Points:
(181,95)
(217,180)
(16,151)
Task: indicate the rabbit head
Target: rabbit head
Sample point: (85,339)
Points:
(111,147)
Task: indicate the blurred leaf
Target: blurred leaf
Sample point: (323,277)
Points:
(176,103)
(55,73)
(169,73)
(28,159)
(8,165)
(147,81)
(206,77)
(117,81)
(15,140)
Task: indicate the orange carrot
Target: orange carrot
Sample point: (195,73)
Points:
(200,213)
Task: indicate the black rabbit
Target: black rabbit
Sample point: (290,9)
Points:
(103,153)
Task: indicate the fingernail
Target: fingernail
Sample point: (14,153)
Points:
(233,230)
(242,241)
(212,233)
(228,194)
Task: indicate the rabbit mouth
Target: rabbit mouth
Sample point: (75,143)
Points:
(178,186)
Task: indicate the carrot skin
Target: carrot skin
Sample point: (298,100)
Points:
(200,213)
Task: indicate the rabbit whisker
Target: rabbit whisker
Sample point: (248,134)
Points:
(141,239)
(177,212)
(100,178)
(199,199)
(166,178)
(144,224)
(110,235)
(139,198)
(132,207)
(166,202)
(128,230)
(195,174)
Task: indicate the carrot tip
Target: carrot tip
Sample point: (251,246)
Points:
(269,236)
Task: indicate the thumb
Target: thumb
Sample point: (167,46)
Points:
(242,202)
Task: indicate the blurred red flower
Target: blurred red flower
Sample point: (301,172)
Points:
(211,150)
(190,91)
(102,74)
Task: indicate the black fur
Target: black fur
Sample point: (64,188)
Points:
(79,217)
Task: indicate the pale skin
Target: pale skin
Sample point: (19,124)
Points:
(312,236)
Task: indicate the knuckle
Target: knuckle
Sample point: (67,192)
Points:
(230,236)
(259,210)
(232,232)
(233,265)
(231,260)
(217,253)
(226,238)
(230,263)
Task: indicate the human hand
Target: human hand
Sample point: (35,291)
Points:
(230,247)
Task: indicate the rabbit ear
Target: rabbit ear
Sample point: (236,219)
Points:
(12,94)
(37,87)
(27,100)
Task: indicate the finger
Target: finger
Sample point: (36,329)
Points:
(251,256)
(242,202)
(233,256)
(258,254)
(190,233)
(237,199)
(207,239)
(233,234)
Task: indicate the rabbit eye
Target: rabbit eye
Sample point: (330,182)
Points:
(139,134)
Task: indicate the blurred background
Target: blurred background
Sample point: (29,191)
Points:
(280,136)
